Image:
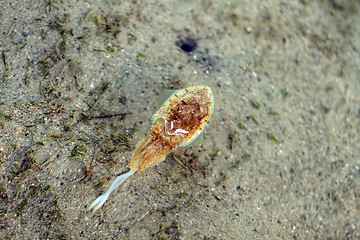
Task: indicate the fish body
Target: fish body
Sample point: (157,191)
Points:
(178,122)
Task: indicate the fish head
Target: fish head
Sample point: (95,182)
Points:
(186,112)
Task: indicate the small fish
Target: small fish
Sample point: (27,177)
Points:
(177,123)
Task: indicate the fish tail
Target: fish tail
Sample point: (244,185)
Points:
(102,199)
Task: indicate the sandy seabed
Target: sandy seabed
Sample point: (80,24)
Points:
(279,158)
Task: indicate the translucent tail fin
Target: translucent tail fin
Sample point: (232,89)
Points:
(102,199)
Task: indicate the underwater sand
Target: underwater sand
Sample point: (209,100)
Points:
(279,158)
